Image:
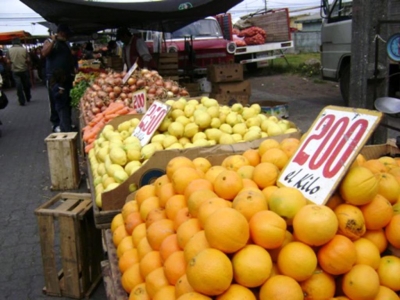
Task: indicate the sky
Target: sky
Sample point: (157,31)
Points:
(14,15)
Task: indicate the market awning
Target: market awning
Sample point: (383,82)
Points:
(91,16)
(7,37)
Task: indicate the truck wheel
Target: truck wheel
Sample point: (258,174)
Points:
(252,68)
(344,83)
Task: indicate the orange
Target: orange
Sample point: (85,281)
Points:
(359,186)
(337,256)
(175,267)
(143,248)
(361,282)
(249,183)
(351,221)
(165,293)
(193,296)
(213,172)
(388,186)
(196,243)
(367,253)
(319,286)
(389,272)
(181,179)
(315,225)
(249,202)
(236,292)
(131,278)
(128,208)
(281,287)
(182,286)
(148,205)
(286,202)
(186,230)
(127,259)
(132,220)
(396,173)
(246,172)
(116,221)
(386,294)
(210,272)
(158,231)
(275,252)
(268,191)
(209,206)
(155,215)
(334,201)
(297,260)
(181,216)
(392,231)
(178,163)
(125,245)
(289,146)
(150,262)
(138,233)
(202,164)
(388,162)
(119,234)
(166,191)
(228,184)
(234,162)
(197,184)
(276,156)
(197,198)
(145,192)
(267,144)
(174,204)
(267,229)
(252,266)
(155,281)
(227,230)
(139,292)
(375,166)
(378,238)
(265,174)
(359,161)
(378,213)
(159,182)
(252,156)
(168,246)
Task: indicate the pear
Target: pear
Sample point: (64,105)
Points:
(274,129)
(190,130)
(176,129)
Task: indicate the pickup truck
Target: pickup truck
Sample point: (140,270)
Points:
(211,41)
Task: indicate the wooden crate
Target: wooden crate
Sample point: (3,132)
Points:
(168,66)
(79,244)
(112,281)
(63,160)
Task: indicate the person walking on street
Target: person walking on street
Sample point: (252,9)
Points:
(58,56)
(134,49)
(19,58)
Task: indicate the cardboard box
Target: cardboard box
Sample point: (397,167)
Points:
(376,151)
(230,99)
(225,73)
(275,108)
(193,88)
(232,88)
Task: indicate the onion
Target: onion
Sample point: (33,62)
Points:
(159,91)
(168,85)
(129,95)
(140,83)
(96,87)
(132,88)
(100,81)
(131,81)
(125,89)
(111,95)
(109,89)
(154,72)
(147,76)
(174,89)
(103,75)
(151,90)
(99,103)
(117,90)
(95,110)
(126,101)
(122,96)
(159,82)
(183,92)
(101,94)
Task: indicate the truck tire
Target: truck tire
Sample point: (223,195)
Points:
(252,68)
(344,83)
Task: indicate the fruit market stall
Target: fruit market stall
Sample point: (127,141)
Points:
(221,225)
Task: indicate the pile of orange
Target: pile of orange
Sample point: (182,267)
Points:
(228,232)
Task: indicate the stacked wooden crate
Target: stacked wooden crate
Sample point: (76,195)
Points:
(227,84)
(168,66)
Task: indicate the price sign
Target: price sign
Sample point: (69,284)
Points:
(129,73)
(139,99)
(150,122)
(331,145)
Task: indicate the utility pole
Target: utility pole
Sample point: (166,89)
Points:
(265,1)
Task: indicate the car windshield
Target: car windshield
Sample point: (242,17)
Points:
(201,28)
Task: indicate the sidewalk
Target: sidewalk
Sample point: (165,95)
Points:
(25,184)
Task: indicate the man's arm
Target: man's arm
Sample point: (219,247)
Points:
(48,46)
(143,51)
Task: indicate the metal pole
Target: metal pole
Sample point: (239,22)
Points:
(265,5)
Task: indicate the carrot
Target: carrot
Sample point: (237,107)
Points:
(122,111)
(96,119)
(115,107)
(132,112)
(110,117)
(89,147)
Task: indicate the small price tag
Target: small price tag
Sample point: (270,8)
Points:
(129,73)
(331,145)
(151,121)
(139,99)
